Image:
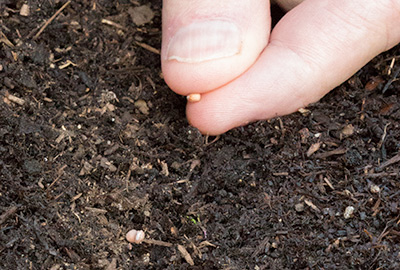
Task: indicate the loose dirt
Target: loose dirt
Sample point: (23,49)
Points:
(93,144)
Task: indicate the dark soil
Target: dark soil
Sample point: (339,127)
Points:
(93,144)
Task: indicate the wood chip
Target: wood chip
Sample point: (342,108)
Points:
(46,23)
(347,131)
(164,168)
(15,99)
(25,10)
(7,214)
(338,151)
(389,162)
(313,206)
(141,15)
(111,150)
(280,174)
(105,163)
(141,105)
(373,83)
(195,163)
(185,255)
(304,111)
(313,148)
(375,209)
(206,244)
(304,134)
(111,23)
(329,183)
(157,242)
(112,265)
(67,64)
(148,47)
(5,40)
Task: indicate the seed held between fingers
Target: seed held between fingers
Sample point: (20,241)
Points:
(193,97)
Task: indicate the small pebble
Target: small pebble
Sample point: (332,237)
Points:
(299,207)
(375,188)
(25,10)
(348,212)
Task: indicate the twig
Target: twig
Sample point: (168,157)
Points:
(51,19)
(389,162)
(15,99)
(108,22)
(5,40)
(157,242)
(394,78)
(338,151)
(186,255)
(383,136)
(382,174)
(7,214)
(60,173)
(148,47)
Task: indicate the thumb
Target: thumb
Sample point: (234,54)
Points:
(208,43)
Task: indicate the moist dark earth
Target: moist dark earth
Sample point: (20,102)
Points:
(93,144)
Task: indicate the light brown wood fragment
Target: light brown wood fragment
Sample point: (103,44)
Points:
(313,148)
(157,242)
(313,206)
(148,47)
(24,11)
(15,99)
(185,255)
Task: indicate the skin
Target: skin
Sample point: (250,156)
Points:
(315,47)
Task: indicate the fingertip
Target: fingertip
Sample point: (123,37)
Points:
(220,110)
(206,45)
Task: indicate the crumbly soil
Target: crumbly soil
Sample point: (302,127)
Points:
(93,144)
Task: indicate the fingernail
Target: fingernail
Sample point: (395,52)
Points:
(204,41)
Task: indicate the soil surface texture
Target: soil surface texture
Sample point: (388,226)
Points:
(94,144)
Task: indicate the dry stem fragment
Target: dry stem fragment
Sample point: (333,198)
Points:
(15,99)
(45,24)
(313,206)
(313,148)
(24,11)
(185,254)
(108,22)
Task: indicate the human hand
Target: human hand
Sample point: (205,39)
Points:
(225,51)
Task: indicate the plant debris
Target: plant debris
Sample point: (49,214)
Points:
(93,143)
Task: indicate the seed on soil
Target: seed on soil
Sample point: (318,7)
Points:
(348,212)
(193,97)
(134,236)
